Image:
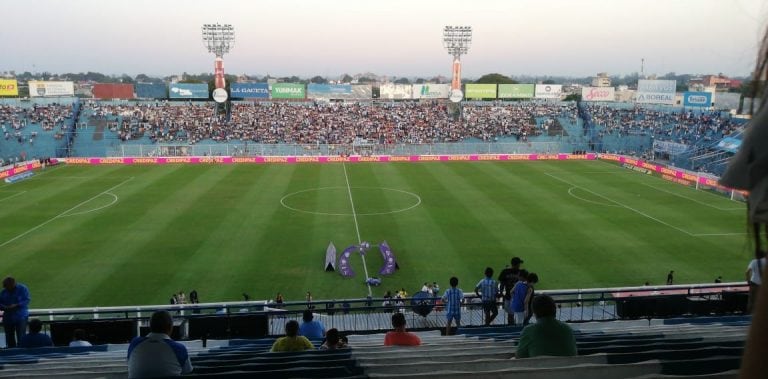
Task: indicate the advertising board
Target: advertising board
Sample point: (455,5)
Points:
(188,91)
(51,89)
(516,91)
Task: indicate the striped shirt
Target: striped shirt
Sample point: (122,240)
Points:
(488,289)
(452,299)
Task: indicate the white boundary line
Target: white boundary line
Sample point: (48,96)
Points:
(691,199)
(62,214)
(12,196)
(357,227)
(38,173)
(644,214)
(587,200)
(418,202)
(622,205)
(115,198)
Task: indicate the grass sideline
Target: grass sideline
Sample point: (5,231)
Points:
(127,235)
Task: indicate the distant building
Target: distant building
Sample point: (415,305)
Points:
(601,80)
(719,82)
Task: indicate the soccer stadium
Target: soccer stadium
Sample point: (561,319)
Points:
(222,213)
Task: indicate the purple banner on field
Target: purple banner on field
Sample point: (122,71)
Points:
(344,265)
(390,263)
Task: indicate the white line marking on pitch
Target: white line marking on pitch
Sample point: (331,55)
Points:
(12,196)
(357,227)
(622,205)
(62,214)
(114,200)
(286,206)
(694,200)
(570,192)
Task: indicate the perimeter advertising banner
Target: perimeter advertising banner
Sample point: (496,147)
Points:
(188,91)
(480,91)
(329,91)
(395,91)
(549,91)
(288,91)
(112,91)
(656,91)
(598,94)
(9,87)
(516,91)
(697,99)
(151,90)
(51,89)
(249,91)
(431,91)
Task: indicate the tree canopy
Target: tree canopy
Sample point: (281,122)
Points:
(495,79)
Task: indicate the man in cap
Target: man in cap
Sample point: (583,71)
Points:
(507,279)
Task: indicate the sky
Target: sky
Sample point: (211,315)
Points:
(387,37)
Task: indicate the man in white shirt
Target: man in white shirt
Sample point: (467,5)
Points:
(755,280)
(156,354)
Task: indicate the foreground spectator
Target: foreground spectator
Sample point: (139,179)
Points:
(548,336)
(156,354)
(79,339)
(333,340)
(310,328)
(399,336)
(487,291)
(292,340)
(14,302)
(35,338)
(754,279)
(453,298)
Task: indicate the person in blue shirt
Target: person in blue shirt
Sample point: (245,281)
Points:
(34,338)
(14,302)
(452,299)
(313,330)
(487,291)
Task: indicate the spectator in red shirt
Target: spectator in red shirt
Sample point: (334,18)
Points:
(398,336)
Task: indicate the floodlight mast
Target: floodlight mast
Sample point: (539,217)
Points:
(218,39)
(457,39)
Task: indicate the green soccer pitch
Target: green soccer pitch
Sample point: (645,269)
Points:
(130,235)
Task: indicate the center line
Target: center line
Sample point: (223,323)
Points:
(357,227)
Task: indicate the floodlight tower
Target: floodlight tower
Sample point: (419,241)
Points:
(457,39)
(218,39)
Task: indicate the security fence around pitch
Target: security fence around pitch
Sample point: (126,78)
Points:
(267,318)
(245,149)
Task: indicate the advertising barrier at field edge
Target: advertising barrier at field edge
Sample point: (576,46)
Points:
(677,176)
(19,169)
(330,159)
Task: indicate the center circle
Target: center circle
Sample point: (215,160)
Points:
(361,196)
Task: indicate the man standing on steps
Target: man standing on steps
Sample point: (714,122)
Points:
(507,279)
(14,302)
(487,291)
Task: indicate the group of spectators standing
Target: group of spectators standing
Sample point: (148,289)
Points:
(683,126)
(323,123)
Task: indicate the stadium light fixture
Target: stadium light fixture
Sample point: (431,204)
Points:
(218,39)
(457,39)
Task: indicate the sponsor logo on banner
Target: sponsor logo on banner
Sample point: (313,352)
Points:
(548,91)
(9,87)
(249,90)
(598,94)
(188,91)
(656,91)
(480,91)
(43,89)
(150,90)
(431,91)
(288,91)
(697,99)
(516,91)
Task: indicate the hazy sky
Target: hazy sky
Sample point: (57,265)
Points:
(387,37)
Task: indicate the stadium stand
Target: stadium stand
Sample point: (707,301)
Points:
(708,348)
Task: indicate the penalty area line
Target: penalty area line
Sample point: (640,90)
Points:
(63,214)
